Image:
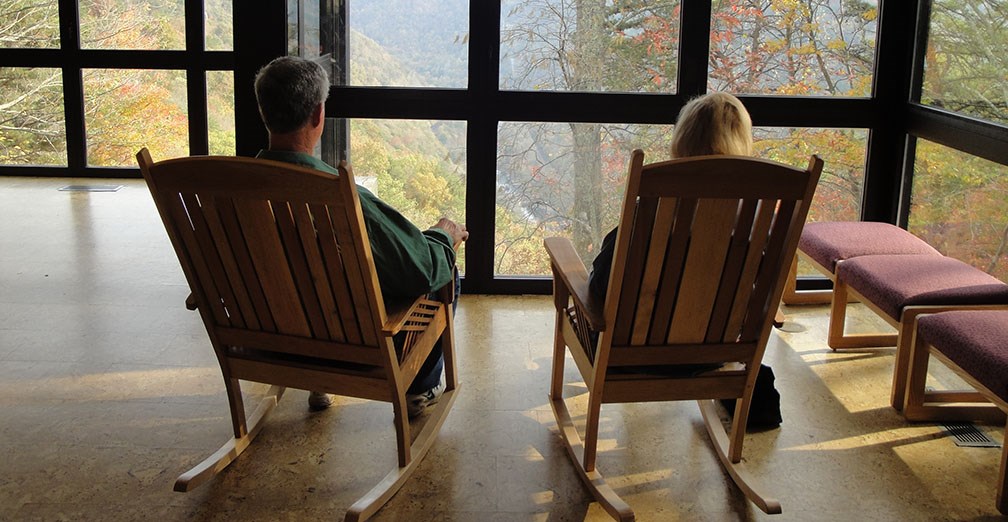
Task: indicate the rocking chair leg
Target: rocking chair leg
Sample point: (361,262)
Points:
(736,470)
(220,459)
(373,500)
(596,483)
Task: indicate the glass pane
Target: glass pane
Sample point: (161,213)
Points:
(32,127)
(221,112)
(29,23)
(304,29)
(417,166)
(559,179)
(569,45)
(966,64)
(132,24)
(414,44)
(567,180)
(796,48)
(844,153)
(958,204)
(841,185)
(126,110)
(219,25)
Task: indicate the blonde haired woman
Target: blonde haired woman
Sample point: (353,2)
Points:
(715,123)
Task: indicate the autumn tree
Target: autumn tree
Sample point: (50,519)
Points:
(554,174)
(31,99)
(801,48)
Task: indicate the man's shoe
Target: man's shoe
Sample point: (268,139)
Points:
(318,401)
(416,404)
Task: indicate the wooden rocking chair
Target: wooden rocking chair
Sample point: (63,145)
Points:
(280,268)
(703,249)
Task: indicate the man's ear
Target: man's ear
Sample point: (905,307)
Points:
(318,115)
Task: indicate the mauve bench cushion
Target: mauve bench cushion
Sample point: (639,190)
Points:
(895,282)
(830,241)
(976,340)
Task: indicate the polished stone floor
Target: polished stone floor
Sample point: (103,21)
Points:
(109,390)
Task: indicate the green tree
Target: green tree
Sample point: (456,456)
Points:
(967,58)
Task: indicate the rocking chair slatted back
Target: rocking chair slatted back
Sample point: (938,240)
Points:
(699,263)
(280,264)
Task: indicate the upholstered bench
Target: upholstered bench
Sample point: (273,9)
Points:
(974,344)
(900,287)
(824,243)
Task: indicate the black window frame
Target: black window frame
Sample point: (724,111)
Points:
(893,114)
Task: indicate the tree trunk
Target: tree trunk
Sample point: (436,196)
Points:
(587,59)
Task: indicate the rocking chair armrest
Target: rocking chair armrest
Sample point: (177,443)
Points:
(397,311)
(190,302)
(569,269)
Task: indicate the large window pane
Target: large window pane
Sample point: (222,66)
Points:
(32,127)
(127,109)
(844,153)
(29,23)
(841,184)
(304,29)
(417,166)
(132,24)
(556,179)
(409,44)
(966,64)
(219,25)
(559,179)
(221,112)
(958,205)
(798,47)
(575,45)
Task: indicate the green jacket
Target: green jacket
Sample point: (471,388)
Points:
(409,262)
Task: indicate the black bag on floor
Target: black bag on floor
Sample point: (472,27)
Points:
(764,412)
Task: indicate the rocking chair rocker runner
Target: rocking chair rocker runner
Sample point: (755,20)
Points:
(703,249)
(280,268)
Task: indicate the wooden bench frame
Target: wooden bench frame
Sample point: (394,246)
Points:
(839,340)
(958,405)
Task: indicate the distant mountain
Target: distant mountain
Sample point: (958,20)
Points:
(372,64)
(428,37)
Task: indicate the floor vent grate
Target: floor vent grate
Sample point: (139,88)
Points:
(91,188)
(967,435)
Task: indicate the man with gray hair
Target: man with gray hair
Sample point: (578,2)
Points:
(291,93)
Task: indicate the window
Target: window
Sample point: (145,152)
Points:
(128,109)
(417,166)
(562,179)
(517,116)
(414,44)
(29,24)
(32,128)
(559,179)
(123,80)
(132,24)
(566,45)
(797,48)
(958,206)
(966,64)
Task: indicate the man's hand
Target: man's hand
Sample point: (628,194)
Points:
(457,232)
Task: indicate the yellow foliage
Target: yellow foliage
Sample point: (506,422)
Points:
(836,45)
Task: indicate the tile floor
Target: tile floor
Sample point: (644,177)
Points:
(109,390)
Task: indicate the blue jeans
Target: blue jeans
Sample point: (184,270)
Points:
(429,375)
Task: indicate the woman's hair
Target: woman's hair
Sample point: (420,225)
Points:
(715,123)
(288,89)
